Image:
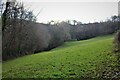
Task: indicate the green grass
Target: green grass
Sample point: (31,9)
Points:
(87,58)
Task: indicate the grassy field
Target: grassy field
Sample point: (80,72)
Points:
(88,58)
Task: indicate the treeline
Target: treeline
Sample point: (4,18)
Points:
(30,37)
(23,36)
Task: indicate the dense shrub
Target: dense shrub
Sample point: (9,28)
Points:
(21,39)
(65,28)
(56,36)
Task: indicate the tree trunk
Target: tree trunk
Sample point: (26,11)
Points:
(117,42)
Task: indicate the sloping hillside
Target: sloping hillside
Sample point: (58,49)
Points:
(87,58)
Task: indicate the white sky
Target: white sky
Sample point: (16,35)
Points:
(81,10)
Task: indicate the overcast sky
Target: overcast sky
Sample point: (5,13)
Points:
(73,10)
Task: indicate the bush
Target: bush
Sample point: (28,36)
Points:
(56,38)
